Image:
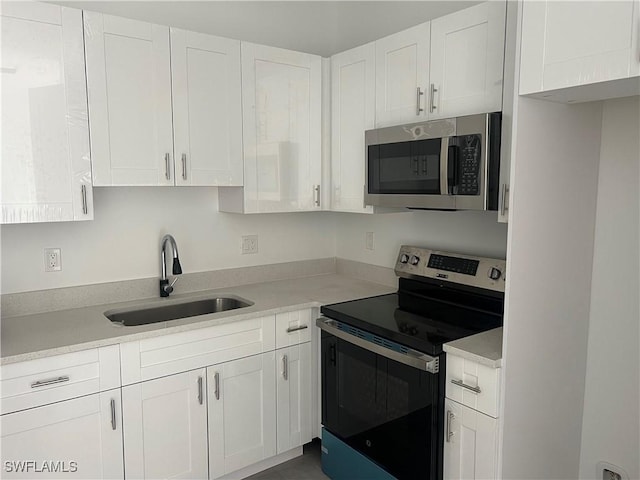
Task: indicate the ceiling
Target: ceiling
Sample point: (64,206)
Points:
(320,27)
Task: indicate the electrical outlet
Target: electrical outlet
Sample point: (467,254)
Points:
(368,241)
(52,260)
(249,244)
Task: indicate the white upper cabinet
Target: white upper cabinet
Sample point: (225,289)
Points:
(207,113)
(352,112)
(467,53)
(402,75)
(570,44)
(281,102)
(129,86)
(45,162)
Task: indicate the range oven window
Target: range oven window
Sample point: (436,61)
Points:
(382,408)
(404,168)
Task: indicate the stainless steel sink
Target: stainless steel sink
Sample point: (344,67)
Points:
(162,313)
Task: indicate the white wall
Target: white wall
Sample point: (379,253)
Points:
(611,425)
(549,257)
(462,232)
(123,241)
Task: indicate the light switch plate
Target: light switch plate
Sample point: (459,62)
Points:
(368,241)
(249,244)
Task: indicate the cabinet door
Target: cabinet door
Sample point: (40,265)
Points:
(470,443)
(166,427)
(294,396)
(79,438)
(467,55)
(402,75)
(207,110)
(352,112)
(567,44)
(242,413)
(45,162)
(129,87)
(281,98)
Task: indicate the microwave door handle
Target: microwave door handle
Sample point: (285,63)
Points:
(454,168)
(444,166)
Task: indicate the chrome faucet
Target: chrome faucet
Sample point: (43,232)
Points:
(165,287)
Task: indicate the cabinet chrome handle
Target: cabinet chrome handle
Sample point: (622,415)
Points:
(50,381)
(505,194)
(167,174)
(418,107)
(216,377)
(285,367)
(316,195)
(432,95)
(184,166)
(460,383)
(200,390)
(450,417)
(113,414)
(85,208)
(295,329)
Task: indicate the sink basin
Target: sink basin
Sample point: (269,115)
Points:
(162,313)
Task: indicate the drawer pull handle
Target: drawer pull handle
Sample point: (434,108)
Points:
(295,329)
(113,414)
(51,381)
(460,383)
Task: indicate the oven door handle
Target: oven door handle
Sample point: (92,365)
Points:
(412,358)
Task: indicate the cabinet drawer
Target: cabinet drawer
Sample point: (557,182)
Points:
(474,385)
(46,380)
(180,352)
(293,328)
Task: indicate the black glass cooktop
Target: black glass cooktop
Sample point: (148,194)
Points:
(419,321)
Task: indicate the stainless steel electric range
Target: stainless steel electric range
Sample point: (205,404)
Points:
(383,367)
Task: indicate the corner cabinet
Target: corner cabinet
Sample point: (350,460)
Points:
(148,85)
(45,161)
(281,100)
(593,45)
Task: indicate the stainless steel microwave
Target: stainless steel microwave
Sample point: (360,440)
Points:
(449,164)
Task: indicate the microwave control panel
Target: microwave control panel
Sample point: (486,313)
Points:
(482,272)
(469,157)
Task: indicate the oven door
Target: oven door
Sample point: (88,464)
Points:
(384,407)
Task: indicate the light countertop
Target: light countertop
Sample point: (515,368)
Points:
(35,336)
(484,348)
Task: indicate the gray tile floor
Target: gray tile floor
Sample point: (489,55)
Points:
(304,467)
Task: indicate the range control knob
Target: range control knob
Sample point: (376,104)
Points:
(414,260)
(404,258)
(494,273)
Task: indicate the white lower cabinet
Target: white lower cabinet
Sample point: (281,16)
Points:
(78,438)
(242,413)
(166,427)
(294,396)
(471,443)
